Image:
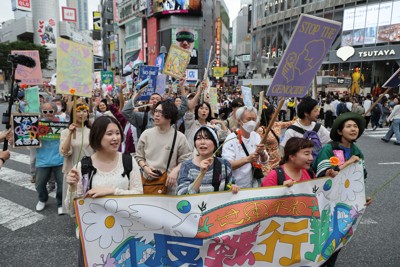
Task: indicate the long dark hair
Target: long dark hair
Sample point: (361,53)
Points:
(294,145)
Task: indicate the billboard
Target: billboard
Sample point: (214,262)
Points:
(68,14)
(370,24)
(187,39)
(177,6)
(97,20)
(24,5)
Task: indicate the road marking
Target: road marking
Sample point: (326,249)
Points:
(19,178)
(368,221)
(389,163)
(14,216)
(22,158)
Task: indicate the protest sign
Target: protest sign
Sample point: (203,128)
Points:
(393,81)
(161,84)
(311,40)
(275,226)
(177,61)
(51,130)
(25,128)
(219,71)
(32,100)
(214,100)
(150,72)
(74,68)
(107,78)
(247,96)
(30,76)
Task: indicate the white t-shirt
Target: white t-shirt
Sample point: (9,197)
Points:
(233,150)
(323,133)
(335,103)
(367,105)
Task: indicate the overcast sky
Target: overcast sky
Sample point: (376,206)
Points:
(6,12)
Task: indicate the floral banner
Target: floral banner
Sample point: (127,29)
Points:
(74,68)
(277,226)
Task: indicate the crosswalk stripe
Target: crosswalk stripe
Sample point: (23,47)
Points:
(19,178)
(14,216)
(22,158)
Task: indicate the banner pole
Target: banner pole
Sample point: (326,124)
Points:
(272,121)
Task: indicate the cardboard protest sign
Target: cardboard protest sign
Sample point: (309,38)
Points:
(247,96)
(150,72)
(177,61)
(214,100)
(30,76)
(25,128)
(74,68)
(219,71)
(161,84)
(311,40)
(32,100)
(393,81)
(272,226)
(51,130)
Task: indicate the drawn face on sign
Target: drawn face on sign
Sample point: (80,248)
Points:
(185,39)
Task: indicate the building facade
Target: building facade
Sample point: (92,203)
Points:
(371,27)
(82,14)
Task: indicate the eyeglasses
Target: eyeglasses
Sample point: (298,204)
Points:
(47,111)
(159,111)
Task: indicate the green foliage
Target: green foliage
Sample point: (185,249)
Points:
(5,50)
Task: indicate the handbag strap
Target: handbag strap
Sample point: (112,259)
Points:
(172,149)
(244,147)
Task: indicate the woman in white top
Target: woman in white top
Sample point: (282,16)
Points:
(394,127)
(105,138)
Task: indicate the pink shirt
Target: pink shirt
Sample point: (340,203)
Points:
(272,178)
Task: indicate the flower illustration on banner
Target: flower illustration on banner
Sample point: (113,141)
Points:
(72,91)
(106,223)
(352,184)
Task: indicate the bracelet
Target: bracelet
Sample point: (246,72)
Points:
(3,160)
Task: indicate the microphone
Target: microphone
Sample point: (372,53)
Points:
(22,60)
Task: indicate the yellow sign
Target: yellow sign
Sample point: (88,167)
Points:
(219,71)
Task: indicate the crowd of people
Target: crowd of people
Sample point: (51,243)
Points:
(175,144)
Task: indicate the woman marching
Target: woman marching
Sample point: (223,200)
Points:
(217,171)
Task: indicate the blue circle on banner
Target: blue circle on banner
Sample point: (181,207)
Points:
(184,206)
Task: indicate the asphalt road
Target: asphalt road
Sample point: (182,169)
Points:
(28,238)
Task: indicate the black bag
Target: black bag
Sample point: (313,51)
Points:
(257,172)
(281,174)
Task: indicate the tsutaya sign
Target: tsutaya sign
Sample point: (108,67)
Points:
(377,53)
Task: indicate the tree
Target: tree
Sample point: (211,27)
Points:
(5,50)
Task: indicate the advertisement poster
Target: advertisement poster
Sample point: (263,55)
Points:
(47,31)
(107,77)
(148,72)
(307,48)
(30,76)
(74,68)
(177,6)
(187,39)
(177,61)
(25,128)
(271,226)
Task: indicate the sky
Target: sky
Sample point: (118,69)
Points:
(6,12)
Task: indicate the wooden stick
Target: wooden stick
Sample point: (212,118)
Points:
(272,121)
(376,102)
(74,119)
(208,63)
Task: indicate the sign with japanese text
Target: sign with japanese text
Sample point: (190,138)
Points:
(68,14)
(51,130)
(247,96)
(214,100)
(30,76)
(150,72)
(277,226)
(107,77)
(74,68)
(25,129)
(161,84)
(310,42)
(177,61)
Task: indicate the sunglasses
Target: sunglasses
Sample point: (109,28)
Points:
(185,36)
(47,111)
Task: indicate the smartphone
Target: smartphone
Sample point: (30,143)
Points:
(142,84)
(158,172)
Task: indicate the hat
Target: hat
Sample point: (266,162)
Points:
(342,119)
(237,103)
(212,133)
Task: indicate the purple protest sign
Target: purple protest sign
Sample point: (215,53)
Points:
(161,83)
(393,81)
(311,40)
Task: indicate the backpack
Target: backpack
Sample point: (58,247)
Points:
(88,170)
(312,136)
(342,108)
(376,110)
(281,174)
